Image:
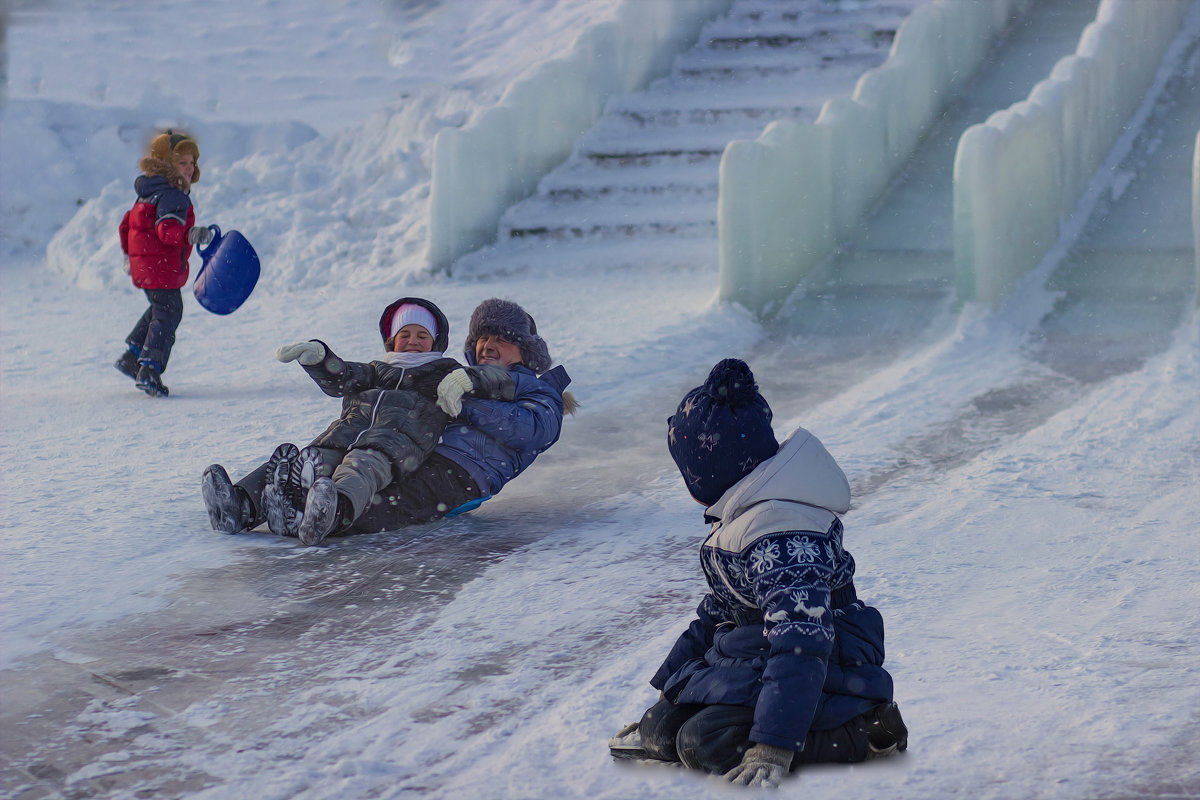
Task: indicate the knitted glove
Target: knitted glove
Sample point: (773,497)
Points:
(307,353)
(451,390)
(199,234)
(762,765)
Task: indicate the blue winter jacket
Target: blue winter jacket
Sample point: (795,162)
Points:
(781,629)
(495,440)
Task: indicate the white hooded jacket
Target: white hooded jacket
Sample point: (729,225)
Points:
(800,488)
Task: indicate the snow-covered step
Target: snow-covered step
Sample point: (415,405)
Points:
(583,176)
(659,117)
(613,213)
(689,139)
(748,19)
(695,229)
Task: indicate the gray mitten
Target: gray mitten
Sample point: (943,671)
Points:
(199,234)
(307,353)
(763,765)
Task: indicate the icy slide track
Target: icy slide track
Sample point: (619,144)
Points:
(787,198)
(344,675)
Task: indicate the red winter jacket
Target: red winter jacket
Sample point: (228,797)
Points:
(154,234)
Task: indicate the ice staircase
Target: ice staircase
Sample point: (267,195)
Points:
(649,167)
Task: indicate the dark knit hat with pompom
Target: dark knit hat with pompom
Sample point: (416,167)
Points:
(721,431)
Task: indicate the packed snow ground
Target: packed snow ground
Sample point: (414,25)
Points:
(1039,592)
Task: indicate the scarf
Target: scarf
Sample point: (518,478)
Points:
(410,360)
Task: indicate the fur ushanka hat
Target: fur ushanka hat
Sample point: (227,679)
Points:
(512,323)
(160,157)
(721,431)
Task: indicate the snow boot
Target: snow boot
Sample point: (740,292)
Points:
(149,380)
(280,494)
(311,467)
(886,731)
(321,512)
(284,474)
(127,364)
(229,507)
(282,519)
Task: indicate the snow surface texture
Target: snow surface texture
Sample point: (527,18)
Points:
(1024,478)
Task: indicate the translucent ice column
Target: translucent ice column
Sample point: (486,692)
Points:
(1019,175)
(787,197)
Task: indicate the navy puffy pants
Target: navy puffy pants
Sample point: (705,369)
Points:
(713,738)
(154,334)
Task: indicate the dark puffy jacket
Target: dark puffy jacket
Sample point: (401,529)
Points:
(781,629)
(385,407)
(504,425)
(154,234)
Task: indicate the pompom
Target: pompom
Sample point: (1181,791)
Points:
(731,383)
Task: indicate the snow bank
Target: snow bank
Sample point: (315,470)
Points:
(787,197)
(1196,214)
(1019,175)
(481,169)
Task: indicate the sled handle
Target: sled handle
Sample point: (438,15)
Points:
(212,245)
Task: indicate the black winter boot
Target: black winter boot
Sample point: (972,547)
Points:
(322,512)
(149,380)
(311,466)
(886,731)
(229,508)
(282,497)
(127,364)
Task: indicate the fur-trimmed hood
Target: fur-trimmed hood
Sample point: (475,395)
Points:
(158,168)
(160,158)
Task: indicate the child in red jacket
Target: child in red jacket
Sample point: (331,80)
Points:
(157,235)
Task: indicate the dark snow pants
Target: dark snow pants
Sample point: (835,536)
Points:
(154,334)
(437,487)
(713,738)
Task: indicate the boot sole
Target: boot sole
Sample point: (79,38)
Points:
(220,501)
(319,511)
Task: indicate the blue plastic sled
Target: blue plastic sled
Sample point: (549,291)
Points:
(228,274)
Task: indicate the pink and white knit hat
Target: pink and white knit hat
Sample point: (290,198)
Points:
(412,314)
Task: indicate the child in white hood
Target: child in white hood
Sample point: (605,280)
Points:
(783,664)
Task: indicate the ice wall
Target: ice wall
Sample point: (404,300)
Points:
(1196,214)
(481,169)
(1019,175)
(787,197)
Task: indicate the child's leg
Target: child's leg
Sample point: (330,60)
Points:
(715,738)
(137,337)
(876,733)
(166,311)
(660,726)
(360,476)
(436,488)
